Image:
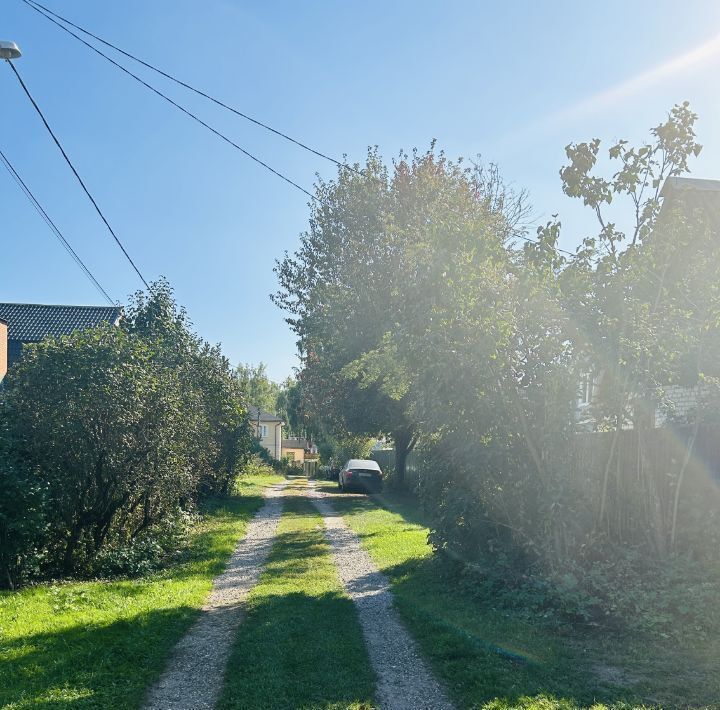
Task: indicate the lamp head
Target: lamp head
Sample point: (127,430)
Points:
(9,50)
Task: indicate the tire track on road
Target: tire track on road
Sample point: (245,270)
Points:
(194,676)
(404,680)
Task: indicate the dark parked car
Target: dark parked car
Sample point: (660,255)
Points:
(361,475)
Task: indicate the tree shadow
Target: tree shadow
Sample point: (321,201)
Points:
(86,663)
(486,652)
(91,666)
(300,645)
(299,650)
(485,655)
(403,504)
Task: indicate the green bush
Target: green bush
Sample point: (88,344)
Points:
(109,437)
(100,427)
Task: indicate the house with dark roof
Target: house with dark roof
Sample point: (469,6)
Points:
(690,196)
(32,322)
(268,430)
(295,450)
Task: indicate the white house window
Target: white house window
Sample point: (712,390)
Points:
(262,430)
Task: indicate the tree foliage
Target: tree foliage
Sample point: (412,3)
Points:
(111,434)
(424,312)
(363,274)
(259,389)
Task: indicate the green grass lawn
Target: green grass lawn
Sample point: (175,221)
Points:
(493,659)
(101,644)
(300,645)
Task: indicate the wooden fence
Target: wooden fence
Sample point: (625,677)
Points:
(645,487)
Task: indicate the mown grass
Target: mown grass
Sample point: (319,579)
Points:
(101,644)
(301,644)
(499,660)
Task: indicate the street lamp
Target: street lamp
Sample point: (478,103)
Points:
(9,50)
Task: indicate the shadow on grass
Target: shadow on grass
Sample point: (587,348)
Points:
(298,650)
(502,658)
(404,504)
(484,654)
(301,644)
(91,663)
(107,666)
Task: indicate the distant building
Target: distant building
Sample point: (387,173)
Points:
(32,322)
(692,196)
(296,450)
(268,430)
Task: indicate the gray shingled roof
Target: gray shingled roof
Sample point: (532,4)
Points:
(295,444)
(695,194)
(264,416)
(31,322)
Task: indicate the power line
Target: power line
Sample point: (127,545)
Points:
(53,227)
(50,15)
(535,241)
(37,7)
(77,175)
(177,105)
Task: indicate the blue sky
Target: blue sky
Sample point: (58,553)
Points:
(514,82)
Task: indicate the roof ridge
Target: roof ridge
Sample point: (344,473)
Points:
(57,305)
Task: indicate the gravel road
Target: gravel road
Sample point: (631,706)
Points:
(194,676)
(404,681)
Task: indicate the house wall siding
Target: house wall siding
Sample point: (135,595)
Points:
(273,441)
(680,402)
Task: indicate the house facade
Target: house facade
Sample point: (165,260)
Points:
(268,430)
(297,450)
(675,402)
(32,322)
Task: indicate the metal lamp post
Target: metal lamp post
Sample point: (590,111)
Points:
(9,50)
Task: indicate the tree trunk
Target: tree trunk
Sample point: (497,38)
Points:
(681,476)
(67,565)
(656,520)
(608,464)
(404,444)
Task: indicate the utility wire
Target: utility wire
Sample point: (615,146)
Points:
(535,241)
(38,6)
(177,105)
(50,15)
(77,175)
(53,227)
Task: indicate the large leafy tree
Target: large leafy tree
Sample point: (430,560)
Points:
(640,294)
(109,435)
(213,394)
(370,268)
(259,389)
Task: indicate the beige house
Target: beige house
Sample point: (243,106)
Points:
(268,430)
(295,450)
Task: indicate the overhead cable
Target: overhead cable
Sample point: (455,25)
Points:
(53,227)
(77,175)
(38,7)
(178,106)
